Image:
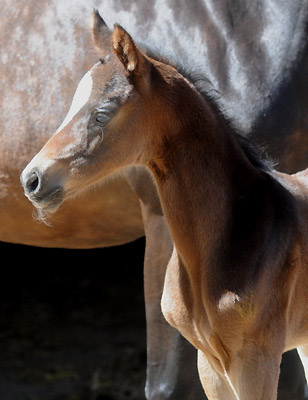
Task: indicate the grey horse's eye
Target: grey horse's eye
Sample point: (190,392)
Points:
(102,119)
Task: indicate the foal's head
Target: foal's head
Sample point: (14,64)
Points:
(120,111)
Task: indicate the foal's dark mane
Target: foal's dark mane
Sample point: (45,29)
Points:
(255,154)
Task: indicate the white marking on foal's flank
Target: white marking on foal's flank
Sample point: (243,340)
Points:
(81,96)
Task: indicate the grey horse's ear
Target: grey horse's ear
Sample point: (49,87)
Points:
(101,34)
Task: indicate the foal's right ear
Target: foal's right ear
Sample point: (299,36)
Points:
(133,60)
(101,34)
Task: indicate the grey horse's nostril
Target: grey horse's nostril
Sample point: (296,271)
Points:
(33,182)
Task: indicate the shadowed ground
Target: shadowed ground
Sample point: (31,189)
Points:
(72,324)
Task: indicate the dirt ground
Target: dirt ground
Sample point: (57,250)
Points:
(72,323)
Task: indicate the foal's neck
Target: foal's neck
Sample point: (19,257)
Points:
(206,176)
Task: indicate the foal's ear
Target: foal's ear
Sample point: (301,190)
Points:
(101,34)
(127,52)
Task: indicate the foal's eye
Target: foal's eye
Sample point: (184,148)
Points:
(102,119)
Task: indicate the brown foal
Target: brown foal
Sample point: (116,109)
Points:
(236,282)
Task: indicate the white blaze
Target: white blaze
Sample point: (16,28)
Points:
(80,98)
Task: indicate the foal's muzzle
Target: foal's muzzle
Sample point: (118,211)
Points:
(31,182)
(40,191)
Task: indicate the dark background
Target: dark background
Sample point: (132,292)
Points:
(72,323)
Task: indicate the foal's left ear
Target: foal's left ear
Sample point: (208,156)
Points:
(100,33)
(127,52)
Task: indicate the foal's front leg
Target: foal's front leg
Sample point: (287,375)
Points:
(214,384)
(253,375)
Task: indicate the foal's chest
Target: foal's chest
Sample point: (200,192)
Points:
(181,305)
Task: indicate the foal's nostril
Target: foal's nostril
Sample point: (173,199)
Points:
(33,182)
